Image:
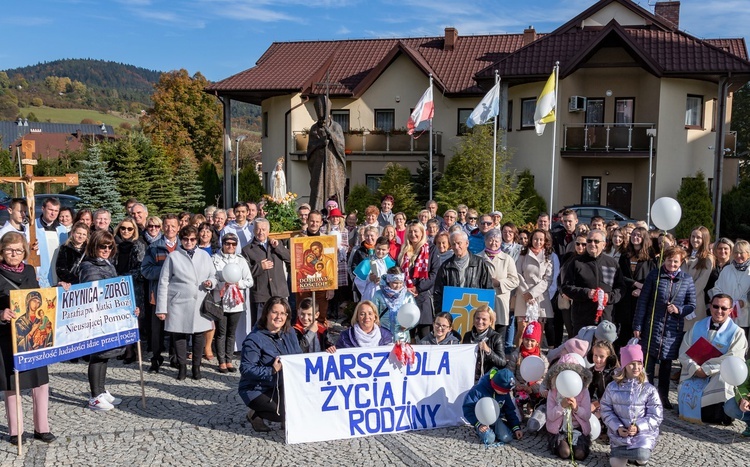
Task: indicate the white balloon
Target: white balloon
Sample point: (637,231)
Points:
(596,427)
(666,213)
(232,273)
(733,370)
(532,369)
(579,360)
(487,411)
(569,383)
(408,315)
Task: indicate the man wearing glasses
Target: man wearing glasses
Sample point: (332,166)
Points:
(703,349)
(594,282)
(476,238)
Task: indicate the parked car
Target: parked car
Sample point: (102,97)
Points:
(586,212)
(66,201)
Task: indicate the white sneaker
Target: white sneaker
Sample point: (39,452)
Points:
(100,403)
(111,399)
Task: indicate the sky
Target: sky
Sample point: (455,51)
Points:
(220,38)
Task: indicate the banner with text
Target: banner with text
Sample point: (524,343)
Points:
(53,325)
(365,391)
(461,303)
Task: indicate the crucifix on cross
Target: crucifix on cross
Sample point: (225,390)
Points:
(28,180)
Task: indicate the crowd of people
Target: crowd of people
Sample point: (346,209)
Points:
(610,289)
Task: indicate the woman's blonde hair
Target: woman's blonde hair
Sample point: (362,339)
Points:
(619,376)
(11,238)
(374,311)
(487,309)
(409,250)
(130,221)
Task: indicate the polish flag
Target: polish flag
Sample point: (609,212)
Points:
(423,112)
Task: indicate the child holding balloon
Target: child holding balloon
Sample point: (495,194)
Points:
(568,408)
(632,411)
(488,406)
(389,299)
(738,407)
(605,364)
(529,367)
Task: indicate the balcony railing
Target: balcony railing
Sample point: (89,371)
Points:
(365,142)
(606,137)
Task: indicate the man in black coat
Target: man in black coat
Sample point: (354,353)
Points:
(587,273)
(463,269)
(268,259)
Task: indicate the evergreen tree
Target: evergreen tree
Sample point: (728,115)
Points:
(359,198)
(97,187)
(251,188)
(397,183)
(735,217)
(127,163)
(189,187)
(534,201)
(210,181)
(421,187)
(468,178)
(164,198)
(697,208)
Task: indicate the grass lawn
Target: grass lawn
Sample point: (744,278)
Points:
(76,115)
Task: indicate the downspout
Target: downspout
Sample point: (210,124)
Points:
(719,154)
(287,124)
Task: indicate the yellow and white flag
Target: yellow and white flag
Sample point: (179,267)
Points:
(545,105)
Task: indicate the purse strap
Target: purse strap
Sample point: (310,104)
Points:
(10,282)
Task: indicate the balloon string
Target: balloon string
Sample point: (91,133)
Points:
(569,418)
(653,307)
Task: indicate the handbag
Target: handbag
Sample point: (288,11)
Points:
(212,309)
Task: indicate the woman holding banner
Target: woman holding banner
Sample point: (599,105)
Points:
(17,275)
(261,386)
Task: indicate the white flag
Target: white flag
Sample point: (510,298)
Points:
(488,108)
(423,112)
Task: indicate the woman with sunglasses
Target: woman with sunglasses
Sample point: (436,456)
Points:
(186,276)
(153,231)
(97,265)
(233,312)
(130,252)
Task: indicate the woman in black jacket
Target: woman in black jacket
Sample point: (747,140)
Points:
(635,263)
(14,274)
(491,348)
(130,252)
(71,252)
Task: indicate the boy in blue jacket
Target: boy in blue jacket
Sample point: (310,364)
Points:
(496,384)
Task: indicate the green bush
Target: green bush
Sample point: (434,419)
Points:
(697,208)
(359,198)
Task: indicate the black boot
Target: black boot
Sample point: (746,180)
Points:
(196,372)
(182,372)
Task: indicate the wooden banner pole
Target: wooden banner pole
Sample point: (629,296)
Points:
(19,414)
(140,368)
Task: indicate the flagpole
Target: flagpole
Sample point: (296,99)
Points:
(494,146)
(554,140)
(431,140)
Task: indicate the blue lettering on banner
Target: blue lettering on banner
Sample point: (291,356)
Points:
(421,365)
(393,419)
(341,366)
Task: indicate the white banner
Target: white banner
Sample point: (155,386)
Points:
(362,392)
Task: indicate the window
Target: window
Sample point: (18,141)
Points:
(373,181)
(590,190)
(528,107)
(265,124)
(510,116)
(385,119)
(694,112)
(463,115)
(342,118)
(594,110)
(624,110)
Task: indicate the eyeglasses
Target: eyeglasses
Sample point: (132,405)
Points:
(189,239)
(487,223)
(440,326)
(473,218)
(14,252)
(106,247)
(580,243)
(462,212)
(593,240)
(127,229)
(153,226)
(230,244)
(722,308)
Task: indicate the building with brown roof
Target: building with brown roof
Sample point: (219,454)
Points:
(629,78)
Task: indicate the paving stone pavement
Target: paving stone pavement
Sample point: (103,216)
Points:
(203,423)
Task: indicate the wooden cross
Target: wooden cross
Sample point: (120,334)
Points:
(28,180)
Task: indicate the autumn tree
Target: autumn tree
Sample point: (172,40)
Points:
(183,116)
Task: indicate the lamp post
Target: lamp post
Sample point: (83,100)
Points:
(651,133)
(239,139)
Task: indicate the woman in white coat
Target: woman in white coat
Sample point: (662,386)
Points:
(187,275)
(504,276)
(233,312)
(734,281)
(536,273)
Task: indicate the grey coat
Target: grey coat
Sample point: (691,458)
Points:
(181,291)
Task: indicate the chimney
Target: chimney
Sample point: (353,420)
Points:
(669,11)
(529,35)
(451,36)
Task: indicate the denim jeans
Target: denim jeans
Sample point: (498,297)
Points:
(499,431)
(732,409)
